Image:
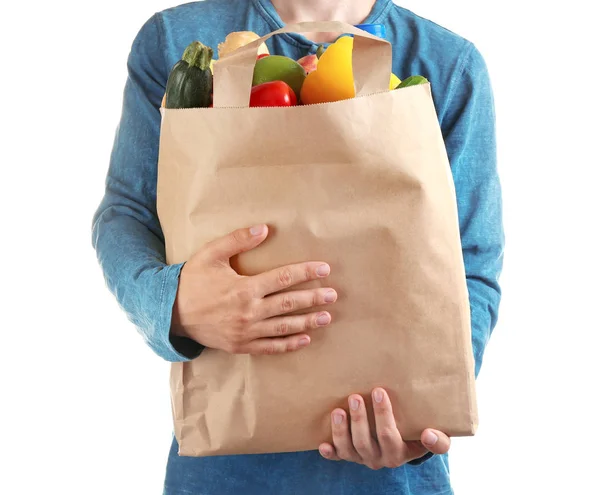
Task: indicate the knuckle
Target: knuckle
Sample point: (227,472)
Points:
(345,455)
(307,273)
(245,294)
(309,323)
(361,445)
(245,307)
(339,431)
(285,277)
(238,236)
(269,349)
(316,299)
(233,348)
(287,303)
(250,315)
(282,328)
(237,336)
(356,417)
(234,336)
(380,411)
(233,344)
(386,433)
(394,462)
(244,318)
(375,465)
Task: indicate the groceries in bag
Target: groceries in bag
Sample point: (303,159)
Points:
(323,77)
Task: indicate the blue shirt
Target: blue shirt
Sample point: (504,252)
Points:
(130,245)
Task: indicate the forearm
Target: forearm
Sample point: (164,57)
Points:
(468,125)
(483,250)
(485,301)
(133,262)
(126,231)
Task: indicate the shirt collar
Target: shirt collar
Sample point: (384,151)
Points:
(267,10)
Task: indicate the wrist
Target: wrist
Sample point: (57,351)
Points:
(422,459)
(186,346)
(177,329)
(180,338)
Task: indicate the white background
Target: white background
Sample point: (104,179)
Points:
(85,404)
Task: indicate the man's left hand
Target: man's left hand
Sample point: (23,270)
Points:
(353,441)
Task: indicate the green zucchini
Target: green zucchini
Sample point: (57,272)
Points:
(190,83)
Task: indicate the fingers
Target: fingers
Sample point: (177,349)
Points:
(363,442)
(287,302)
(435,441)
(388,436)
(328,451)
(342,441)
(431,440)
(352,440)
(270,346)
(287,276)
(236,242)
(288,325)
(394,451)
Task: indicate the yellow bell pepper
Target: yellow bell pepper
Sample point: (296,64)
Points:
(333,79)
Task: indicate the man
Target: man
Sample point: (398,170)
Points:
(180,309)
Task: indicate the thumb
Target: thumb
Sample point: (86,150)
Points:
(236,242)
(435,441)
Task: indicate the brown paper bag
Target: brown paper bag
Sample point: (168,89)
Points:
(363,184)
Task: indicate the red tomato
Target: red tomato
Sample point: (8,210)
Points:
(262,55)
(272,94)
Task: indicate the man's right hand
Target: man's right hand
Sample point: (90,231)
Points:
(218,308)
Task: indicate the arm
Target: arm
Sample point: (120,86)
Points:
(126,232)
(468,125)
(181,309)
(469,128)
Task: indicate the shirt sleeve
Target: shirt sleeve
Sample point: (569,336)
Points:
(469,129)
(126,233)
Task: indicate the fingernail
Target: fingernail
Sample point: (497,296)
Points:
(430,438)
(325,452)
(323,319)
(337,419)
(330,296)
(257,229)
(323,270)
(353,404)
(303,342)
(378,395)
